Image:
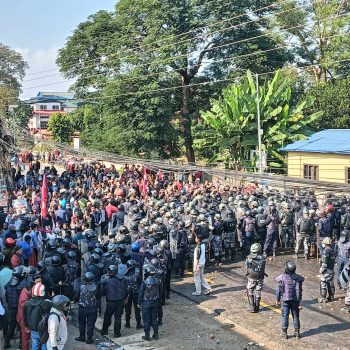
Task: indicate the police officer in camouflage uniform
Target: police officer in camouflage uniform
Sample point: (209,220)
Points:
(305,228)
(134,278)
(342,249)
(229,235)
(347,297)
(87,302)
(327,271)
(255,265)
(287,221)
(149,295)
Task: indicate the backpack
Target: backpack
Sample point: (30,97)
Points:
(289,218)
(70,273)
(306,225)
(43,327)
(249,225)
(183,239)
(256,268)
(261,221)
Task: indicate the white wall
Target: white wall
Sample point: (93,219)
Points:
(49,106)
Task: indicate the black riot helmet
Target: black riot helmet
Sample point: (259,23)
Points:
(52,244)
(149,270)
(18,272)
(230,212)
(112,270)
(41,265)
(98,251)
(60,302)
(290,267)
(134,226)
(56,260)
(131,263)
(95,258)
(67,242)
(155,263)
(89,277)
(123,230)
(71,255)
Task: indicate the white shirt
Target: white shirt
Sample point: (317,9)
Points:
(202,256)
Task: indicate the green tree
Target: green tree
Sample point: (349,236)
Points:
(22,114)
(232,121)
(61,127)
(12,68)
(333,99)
(320,32)
(177,41)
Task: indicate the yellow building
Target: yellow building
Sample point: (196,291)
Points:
(324,156)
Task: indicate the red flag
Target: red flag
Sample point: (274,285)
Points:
(44,197)
(144,186)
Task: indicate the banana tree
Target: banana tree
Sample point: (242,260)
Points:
(230,126)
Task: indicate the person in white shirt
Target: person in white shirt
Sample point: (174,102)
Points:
(57,325)
(198,268)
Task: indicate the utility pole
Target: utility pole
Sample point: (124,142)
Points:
(260,131)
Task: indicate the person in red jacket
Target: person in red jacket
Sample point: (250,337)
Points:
(25,295)
(16,259)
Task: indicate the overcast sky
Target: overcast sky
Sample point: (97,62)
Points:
(38,28)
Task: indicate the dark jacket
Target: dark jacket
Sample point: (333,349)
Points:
(33,312)
(114,288)
(289,287)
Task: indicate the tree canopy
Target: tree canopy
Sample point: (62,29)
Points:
(61,127)
(165,43)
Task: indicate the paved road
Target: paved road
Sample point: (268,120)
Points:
(322,324)
(186,326)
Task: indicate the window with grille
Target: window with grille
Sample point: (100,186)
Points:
(310,172)
(347,175)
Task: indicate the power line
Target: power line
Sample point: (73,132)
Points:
(194,84)
(196,65)
(181,34)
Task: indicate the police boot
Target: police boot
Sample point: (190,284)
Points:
(127,324)
(80,338)
(284,333)
(7,344)
(257,304)
(331,292)
(297,333)
(155,336)
(146,337)
(251,303)
(89,341)
(139,325)
(323,298)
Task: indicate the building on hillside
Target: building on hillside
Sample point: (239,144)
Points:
(47,103)
(324,156)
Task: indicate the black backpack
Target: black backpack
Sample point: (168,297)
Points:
(306,225)
(256,268)
(289,218)
(43,327)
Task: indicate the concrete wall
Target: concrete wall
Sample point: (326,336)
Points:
(332,167)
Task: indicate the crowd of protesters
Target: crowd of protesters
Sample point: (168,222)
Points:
(111,240)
